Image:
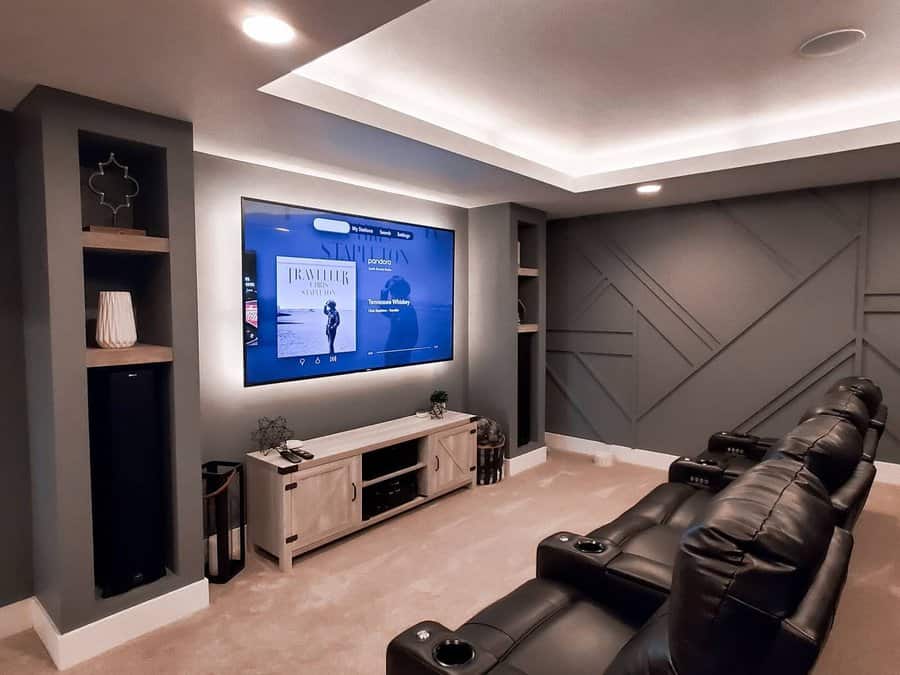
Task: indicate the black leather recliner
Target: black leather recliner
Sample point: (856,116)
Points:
(755,587)
(648,534)
(677,583)
(736,452)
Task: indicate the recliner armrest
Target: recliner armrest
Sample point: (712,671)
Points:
(566,557)
(850,498)
(741,444)
(698,472)
(803,634)
(634,585)
(417,651)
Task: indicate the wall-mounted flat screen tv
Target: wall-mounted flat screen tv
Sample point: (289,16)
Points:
(327,293)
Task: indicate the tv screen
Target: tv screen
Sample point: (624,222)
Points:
(327,293)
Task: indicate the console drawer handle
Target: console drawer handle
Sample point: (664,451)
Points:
(354,491)
(437,463)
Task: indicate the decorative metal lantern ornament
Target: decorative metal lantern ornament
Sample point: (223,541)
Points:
(115,191)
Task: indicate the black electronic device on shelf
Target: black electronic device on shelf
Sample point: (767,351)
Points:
(129,444)
(388,495)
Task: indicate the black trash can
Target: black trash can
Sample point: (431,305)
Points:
(224,522)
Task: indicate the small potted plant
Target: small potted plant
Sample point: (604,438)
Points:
(271,434)
(439,400)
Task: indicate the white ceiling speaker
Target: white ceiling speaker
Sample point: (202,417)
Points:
(831,43)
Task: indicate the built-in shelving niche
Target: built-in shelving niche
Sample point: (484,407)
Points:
(139,264)
(146,278)
(529,293)
(129,262)
(146,164)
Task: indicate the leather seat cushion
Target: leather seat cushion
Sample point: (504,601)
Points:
(648,651)
(649,534)
(866,389)
(675,505)
(553,630)
(546,628)
(843,404)
(499,626)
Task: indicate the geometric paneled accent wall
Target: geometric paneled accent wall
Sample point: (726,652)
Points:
(667,324)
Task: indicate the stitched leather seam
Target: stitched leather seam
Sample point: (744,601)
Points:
(636,580)
(837,421)
(531,630)
(487,625)
(727,589)
(799,631)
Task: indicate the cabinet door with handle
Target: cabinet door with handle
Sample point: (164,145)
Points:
(326,500)
(452,458)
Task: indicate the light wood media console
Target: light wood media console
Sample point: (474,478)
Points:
(293,508)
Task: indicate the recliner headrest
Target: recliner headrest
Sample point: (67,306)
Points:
(865,388)
(830,446)
(843,404)
(745,566)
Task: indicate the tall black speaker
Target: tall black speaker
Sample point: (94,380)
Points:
(129,443)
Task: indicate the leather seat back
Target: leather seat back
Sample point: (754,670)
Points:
(863,387)
(746,567)
(843,404)
(830,446)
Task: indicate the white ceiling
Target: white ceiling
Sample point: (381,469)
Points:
(570,84)
(588,94)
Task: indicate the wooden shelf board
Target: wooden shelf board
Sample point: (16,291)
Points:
(140,353)
(528,328)
(124,243)
(529,272)
(393,512)
(388,476)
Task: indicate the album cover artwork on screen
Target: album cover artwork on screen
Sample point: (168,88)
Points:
(316,306)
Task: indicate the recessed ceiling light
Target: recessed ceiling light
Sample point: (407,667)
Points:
(831,43)
(268,29)
(649,188)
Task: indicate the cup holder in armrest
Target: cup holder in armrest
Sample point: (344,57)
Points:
(586,545)
(454,653)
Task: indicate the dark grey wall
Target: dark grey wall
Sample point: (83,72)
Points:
(669,324)
(492,315)
(15,486)
(53,300)
(312,407)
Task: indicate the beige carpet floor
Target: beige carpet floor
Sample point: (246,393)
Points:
(336,611)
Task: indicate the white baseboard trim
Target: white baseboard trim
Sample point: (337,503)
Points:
(81,644)
(888,473)
(584,446)
(526,461)
(15,617)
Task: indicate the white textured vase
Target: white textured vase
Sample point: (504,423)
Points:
(115,320)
